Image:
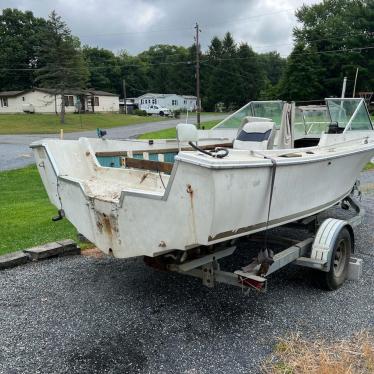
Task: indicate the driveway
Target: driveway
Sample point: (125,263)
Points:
(101,315)
(15,152)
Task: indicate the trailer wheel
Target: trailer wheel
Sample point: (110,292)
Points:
(161,113)
(339,262)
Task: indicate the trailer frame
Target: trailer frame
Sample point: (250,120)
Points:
(313,252)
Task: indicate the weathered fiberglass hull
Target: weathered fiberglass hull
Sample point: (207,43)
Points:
(130,212)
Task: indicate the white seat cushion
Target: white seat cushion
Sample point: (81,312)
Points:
(255,136)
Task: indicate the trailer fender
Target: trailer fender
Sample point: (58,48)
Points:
(324,242)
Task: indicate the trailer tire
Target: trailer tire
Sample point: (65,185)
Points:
(161,113)
(339,262)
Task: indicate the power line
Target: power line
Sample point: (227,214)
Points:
(142,58)
(228,71)
(347,50)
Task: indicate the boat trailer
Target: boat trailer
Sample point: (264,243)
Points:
(328,250)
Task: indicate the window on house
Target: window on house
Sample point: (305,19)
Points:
(23,98)
(69,100)
(96,101)
(174,102)
(153,101)
(4,101)
(185,101)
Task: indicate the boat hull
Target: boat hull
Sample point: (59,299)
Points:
(201,204)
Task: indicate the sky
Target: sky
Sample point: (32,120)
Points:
(134,26)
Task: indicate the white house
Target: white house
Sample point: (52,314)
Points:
(170,101)
(44,100)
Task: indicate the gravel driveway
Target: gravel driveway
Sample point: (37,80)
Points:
(16,153)
(100,315)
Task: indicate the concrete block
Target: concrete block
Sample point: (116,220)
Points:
(13,259)
(44,251)
(66,247)
(70,247)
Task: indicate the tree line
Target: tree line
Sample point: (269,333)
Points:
(332,40)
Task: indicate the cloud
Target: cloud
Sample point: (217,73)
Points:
(136,25)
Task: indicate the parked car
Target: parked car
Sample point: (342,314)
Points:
(156,109)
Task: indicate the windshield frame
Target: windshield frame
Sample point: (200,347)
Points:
(348,126)
(217,127)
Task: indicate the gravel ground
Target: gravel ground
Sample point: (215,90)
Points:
(99,315)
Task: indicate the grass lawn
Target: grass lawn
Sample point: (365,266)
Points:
(172,133)
(50,123)
(369,166)
(26,212)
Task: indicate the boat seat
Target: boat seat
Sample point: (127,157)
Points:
(256,136)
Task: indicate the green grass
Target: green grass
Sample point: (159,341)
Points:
(172,133)
(26,212)
(50,123)
(369,166)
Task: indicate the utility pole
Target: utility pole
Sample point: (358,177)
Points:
(354,87)
(198,74)
(124,95)
(344,86)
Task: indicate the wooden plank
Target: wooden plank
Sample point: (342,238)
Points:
(13,259)
(163,167)
(111,154)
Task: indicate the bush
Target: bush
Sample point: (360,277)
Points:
(139,112)
(177,113)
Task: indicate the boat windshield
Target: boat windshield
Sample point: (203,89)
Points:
(267,109)
(311,119)
(350,114)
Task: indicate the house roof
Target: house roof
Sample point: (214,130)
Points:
(10,93)
(167,94)
(100,93)
(53,91)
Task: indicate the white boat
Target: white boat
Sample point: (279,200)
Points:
(148,198)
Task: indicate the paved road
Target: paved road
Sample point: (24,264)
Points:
(100,315)
(15,151)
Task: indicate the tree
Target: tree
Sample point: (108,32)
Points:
(104,68)
(303,77)
(337,30)
(20,33)
(252,74)
(212,82)
(273,65)
(232,74)
(61,61)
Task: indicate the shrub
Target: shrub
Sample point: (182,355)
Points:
(140,112)
(177,113)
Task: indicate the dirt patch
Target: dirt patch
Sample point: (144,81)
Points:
(294,354)
(93,252)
